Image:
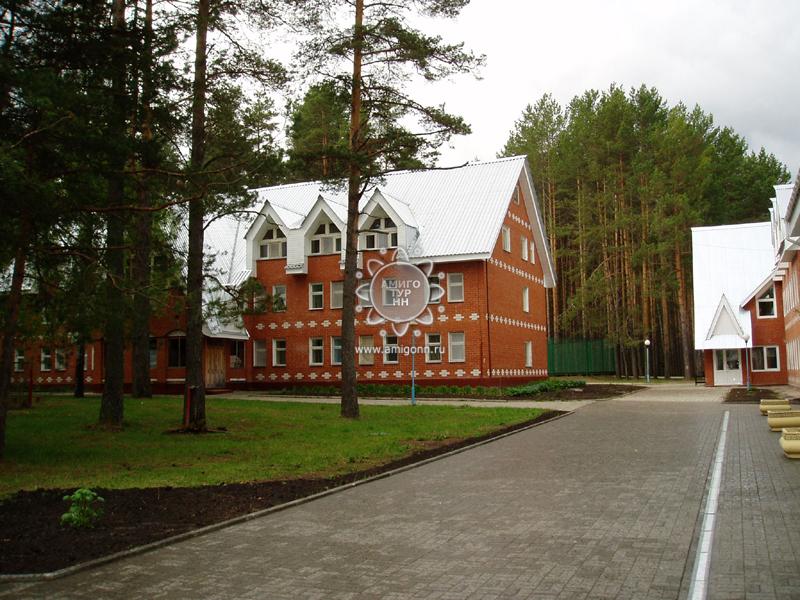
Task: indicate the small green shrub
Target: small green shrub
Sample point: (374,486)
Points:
(540,387)
(83,511)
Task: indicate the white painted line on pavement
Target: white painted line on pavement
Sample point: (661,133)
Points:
(702,563)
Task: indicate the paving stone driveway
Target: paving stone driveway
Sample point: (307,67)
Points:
(601,504)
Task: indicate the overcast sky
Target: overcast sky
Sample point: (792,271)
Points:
(739,60)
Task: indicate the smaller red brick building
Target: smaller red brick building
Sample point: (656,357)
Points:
(738,303)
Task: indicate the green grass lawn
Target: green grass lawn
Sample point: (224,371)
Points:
(56,445)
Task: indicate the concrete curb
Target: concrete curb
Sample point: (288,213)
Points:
(48,576)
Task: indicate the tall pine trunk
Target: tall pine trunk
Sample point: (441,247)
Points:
(143,224)
(349,406)
(111,404)
(683,319)
(12,306)
(194,277)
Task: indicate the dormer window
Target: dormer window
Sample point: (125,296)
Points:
(382,233)
(273,245)
(327,239)
(766,304)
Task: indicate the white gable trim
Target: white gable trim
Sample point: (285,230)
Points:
(256,230)
(378,199)
(762,287)
(320,207)
(724,306)
(539,235)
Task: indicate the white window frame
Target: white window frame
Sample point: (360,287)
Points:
(533,253)
(505,233)
(763,351)
(275,350)
(45,354)
(316,343)
(334,361)
(312,293)
(19,360)
(331,236)
(431,280)
(526,299)
(453,286)
(453,341)
(337,294)
(366,358)
(429,346)
(233,354)
(259,354)
(387,344)
(528,349)
(388,292)
(525,247)
(772,301)
(59,360)
(152,353)
(274,241)
(284,296)
(362,301)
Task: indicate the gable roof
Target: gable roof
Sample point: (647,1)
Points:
(457,212)
(728,261)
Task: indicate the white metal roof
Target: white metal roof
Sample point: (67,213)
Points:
(730,261)
(456,212)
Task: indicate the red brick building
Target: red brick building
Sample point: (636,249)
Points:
(745,294)
(479,231)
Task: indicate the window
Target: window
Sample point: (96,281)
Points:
(278,353)
(529,354)
(337,294)
(765,358)
(432,281)
(316,351)
(19,360)
(259,353)
(236,359)
(177,352)
(382,232)
(365,301)
(153,351)
(336,350)
(279,298)
(45,360)
(456,348)
(506,239)
(524,241)
(388,291)
(61,359)
(455,287)
(366,354)
(391,351)
(526,299)
(87,365)
(766,304)
(517,194)
(327,239)
(316,296)
(433,348)
(273,245)
(533,253)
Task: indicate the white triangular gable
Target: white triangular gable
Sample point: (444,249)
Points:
(724,321)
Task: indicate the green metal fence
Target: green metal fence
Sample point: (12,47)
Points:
(580,357)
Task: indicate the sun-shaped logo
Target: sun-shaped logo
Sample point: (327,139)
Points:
(398,292)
